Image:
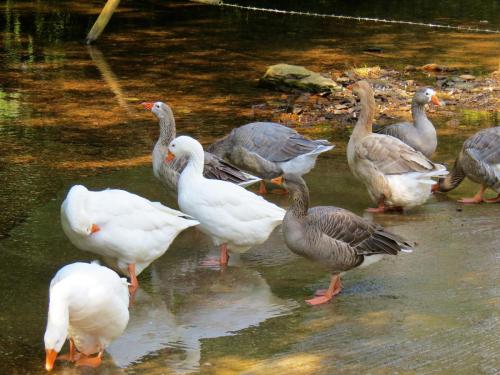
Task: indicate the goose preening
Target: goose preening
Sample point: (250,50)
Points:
(129,231)
(479,159)
(234,217)
(89,305)
(334,237)
(421,134)
(168,173)
(396,175)
(269,150)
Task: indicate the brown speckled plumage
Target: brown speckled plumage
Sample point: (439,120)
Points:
(332,236)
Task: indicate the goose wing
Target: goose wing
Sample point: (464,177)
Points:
(364,237)
(216,168)
(392,156)
(482,153)
(274,142)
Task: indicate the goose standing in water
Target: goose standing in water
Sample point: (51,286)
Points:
(479,159)
(396,175)
(269,150)
(88,304)
(333,237)
(168,173)
(129,231)
(421,134)
(234,217)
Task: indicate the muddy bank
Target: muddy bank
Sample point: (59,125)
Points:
(457,90)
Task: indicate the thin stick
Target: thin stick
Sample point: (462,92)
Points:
(102,21)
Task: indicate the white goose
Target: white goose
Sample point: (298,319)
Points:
(129,231)
(88,304)
(235,218)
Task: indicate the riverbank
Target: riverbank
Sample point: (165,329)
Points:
(459,92)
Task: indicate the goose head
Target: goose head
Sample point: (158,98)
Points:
(160,109)
(362,89)
(57,326)
(426,95)
(74,210)
(185,146)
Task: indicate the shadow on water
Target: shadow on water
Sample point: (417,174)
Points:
(70,114)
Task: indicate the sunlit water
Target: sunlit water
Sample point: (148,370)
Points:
(70,114)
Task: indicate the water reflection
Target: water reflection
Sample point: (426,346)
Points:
(67,115)
(172,320)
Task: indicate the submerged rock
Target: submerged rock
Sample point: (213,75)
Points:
(286,77)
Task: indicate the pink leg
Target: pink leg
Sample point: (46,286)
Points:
(478,198)
(224,256)
(334,289)
(493,200)
(222,260)
(262,187)
(134,283)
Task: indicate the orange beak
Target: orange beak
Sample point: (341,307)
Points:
(435,100)
(170,157)
(95,228)
(148,105)
(349,87)
(50,358)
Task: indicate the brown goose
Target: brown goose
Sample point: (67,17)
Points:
(269,150)
(421,134)
(396,175)
(333,237)
(168,173)
(479,159)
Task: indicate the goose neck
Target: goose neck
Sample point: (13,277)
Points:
(453,179)
(299,198)
(418,113)
(167,128)
(363,126)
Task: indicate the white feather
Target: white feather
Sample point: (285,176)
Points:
(89,304)
(227,212)
(303,164)
(133,230)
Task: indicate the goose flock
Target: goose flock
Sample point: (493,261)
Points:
(89,302)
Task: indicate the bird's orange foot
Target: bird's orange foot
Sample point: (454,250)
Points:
(211,262)
(318,300)
(376,210)
(320,292)
(493,200)
(473,200)
(89,361)
(382,209)
(262,188)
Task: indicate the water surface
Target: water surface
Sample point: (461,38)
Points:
(70,114)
